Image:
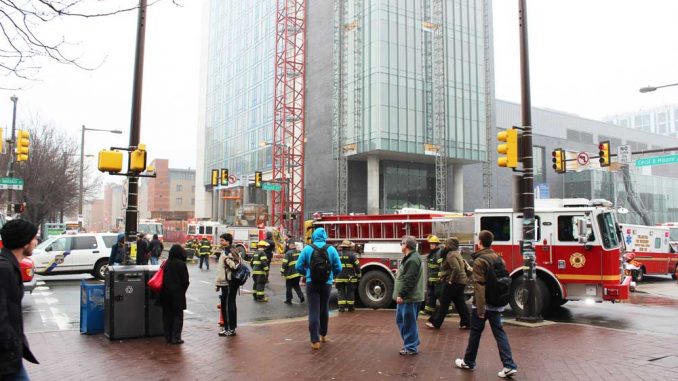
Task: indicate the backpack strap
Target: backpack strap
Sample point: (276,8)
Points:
(490,264)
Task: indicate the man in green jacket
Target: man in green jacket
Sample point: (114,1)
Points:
(408,294)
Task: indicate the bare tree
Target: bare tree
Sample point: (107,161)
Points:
(29,37)
(51,175)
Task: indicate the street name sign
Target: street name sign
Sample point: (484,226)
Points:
(11,183)
(624,154)
(657,160)
(271,187)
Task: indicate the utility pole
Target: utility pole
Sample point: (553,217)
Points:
(527,183)
(10,168)
(132,213)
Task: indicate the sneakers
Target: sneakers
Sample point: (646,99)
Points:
(230,333)
(507,373)
(223,332)
(287,302)
(315,346)
(430,325)
(464,327)
(323,339)
(227,332)
(407,352)
(461,364)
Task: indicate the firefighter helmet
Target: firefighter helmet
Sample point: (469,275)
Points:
(262,244)
(433,239)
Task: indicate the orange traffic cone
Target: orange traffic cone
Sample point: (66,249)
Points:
(221,316)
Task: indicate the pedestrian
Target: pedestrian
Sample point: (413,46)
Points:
(260,271)
(228,262)
(204,252)
(433,263)
(346,280)
(482,260)
(289,272)
(453,281)
(408,293)
(320,263)
(143,249)
(156,249)
(19,238)
(172,295)
(118,251)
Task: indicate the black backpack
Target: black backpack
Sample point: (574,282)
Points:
(497,282)
(320,265)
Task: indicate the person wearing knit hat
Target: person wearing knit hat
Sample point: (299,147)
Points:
(19,238)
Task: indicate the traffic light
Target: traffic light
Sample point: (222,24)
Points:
(137,159)
(110,161)
(257,179)
(224,176)
(604,153)
(22,143)
(510,148)
(559,163)
(215,177)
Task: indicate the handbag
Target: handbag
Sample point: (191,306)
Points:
(155,283)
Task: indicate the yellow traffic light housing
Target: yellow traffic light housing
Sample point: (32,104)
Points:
(224,177)
(110,161)
(257,179)
(22,145)
(215,177)
(559,163)
(510,148)
(137,159)
(604,153)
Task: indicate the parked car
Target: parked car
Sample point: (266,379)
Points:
(28,274)
(74,253)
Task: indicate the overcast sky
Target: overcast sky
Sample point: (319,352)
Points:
(586,57)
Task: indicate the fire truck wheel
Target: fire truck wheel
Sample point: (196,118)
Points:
(376,289)
(519,295)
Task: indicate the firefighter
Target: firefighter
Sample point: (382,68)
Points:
(260,271)
(190,247)
(289,272)
(347,279)
(434,261)
(204,250)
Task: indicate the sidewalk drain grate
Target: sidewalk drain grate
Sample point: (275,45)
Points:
(666,361)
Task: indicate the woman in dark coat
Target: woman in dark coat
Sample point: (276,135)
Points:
(172,296)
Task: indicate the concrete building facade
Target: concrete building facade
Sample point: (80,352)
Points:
(661,120)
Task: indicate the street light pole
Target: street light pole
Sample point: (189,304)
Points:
(10,168)
(82,162)
(648,89)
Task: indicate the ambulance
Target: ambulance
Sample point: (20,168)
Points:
(647,251)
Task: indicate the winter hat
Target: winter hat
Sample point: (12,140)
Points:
(17,233)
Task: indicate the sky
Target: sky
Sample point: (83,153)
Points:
(586,57)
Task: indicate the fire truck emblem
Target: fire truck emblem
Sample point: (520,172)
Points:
(577,260)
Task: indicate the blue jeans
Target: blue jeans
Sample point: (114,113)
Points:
(19,375)
(406,319)
(318,309)
(154,260)
(477,326)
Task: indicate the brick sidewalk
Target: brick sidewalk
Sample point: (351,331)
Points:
(363,346)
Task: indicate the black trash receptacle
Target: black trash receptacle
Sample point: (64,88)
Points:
(125,302)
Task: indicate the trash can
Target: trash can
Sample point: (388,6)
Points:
(125,302)
(153,312)
(92,306)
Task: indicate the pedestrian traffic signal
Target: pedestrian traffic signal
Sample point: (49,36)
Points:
(137,159)
(257,179)
(110,161)
(559,163)
(224,177)
(215,177)
(509,148)
(22,143)
(604,153)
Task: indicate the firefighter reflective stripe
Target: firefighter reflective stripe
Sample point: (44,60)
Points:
(259,263)
(430,309)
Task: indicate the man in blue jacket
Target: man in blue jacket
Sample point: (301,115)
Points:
(321,261)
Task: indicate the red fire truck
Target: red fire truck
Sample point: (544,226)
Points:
(244,238)
(647,251)
(577,248)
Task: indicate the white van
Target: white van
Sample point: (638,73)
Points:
(74,253)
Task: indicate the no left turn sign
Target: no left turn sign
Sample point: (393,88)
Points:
(583,158)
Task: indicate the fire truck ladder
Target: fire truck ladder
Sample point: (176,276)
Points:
(434,92)
(288,112)
(489,104)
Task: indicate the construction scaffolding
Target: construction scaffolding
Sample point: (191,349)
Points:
(288,116)
(488,166)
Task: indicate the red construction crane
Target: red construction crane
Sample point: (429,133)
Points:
(288,116)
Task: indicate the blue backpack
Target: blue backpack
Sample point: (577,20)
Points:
(241,274)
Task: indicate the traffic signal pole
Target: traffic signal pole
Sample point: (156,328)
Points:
(132,212)
(527,183)
(10,168)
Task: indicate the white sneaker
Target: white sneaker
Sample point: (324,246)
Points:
(507,373)
(461,364)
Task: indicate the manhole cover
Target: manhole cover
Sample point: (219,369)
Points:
(666,361)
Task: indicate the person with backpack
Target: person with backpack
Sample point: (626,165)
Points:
(408,293)
(490,298)
(453,282)
(225,281)
(289,272)
(345,281)
(260,271)
(320,263)
(156,249)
